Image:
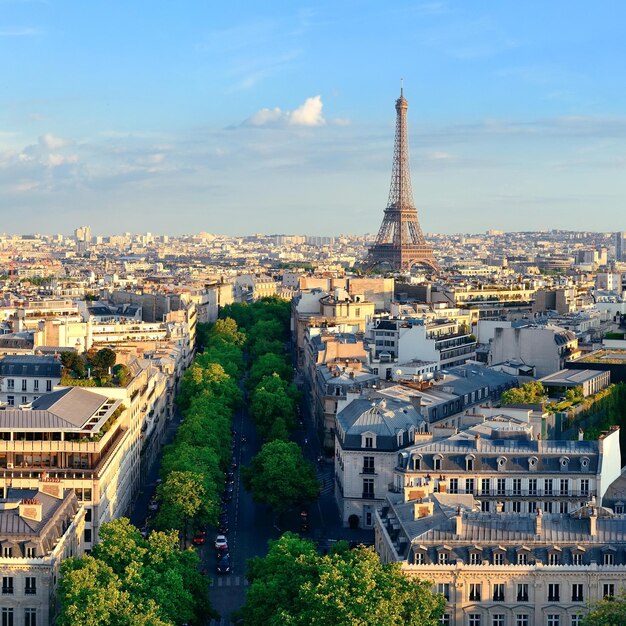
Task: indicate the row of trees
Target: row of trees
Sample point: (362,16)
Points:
(278,475)
(132,581)
(193,466)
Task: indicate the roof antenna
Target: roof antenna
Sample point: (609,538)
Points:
(401,86)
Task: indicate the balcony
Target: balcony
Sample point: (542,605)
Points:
(368,470)
(368,495)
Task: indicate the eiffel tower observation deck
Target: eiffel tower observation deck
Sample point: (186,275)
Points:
(400,243)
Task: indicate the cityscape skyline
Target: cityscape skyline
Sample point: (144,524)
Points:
(238,122)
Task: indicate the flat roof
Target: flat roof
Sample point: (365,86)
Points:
(568,377)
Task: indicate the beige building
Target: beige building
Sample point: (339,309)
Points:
(39,528)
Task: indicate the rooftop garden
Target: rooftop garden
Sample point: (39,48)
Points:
(95,368)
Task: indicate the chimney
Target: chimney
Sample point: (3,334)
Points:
(538,522)
(477,441)
(30,508)
(593,521)
(458,518)
(581,434)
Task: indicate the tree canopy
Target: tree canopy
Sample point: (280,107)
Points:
(293,585)
(132,581)
(529,393)
(280,476)
(607,612)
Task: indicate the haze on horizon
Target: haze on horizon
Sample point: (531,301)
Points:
(279,118)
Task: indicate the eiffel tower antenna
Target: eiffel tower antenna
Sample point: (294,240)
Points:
(400,243)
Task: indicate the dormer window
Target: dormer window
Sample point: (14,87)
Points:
(532,463)
(417,462)
(584,463)
(437,462)
(564,463)
(501,463)
(368,440)
(469,463)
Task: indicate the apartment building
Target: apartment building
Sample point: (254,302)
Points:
(508,471)
(505,569)
(368,435)
(24,378)
(39,528)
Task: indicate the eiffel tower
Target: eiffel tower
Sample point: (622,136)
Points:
(400,243)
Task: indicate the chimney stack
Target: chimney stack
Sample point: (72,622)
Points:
(458,518)
(538,522)
(581,434)
(477,441)
(593,521)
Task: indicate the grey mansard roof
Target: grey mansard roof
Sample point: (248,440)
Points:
(384,418)
(30,366)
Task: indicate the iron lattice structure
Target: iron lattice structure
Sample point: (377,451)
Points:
(400,243)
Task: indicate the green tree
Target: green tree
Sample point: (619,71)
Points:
(607,612)
(226,329)
(182,495)
(266,365)
(102,361)
(73,363)
(296,586)
(273,407)
(280,476)
(529,393)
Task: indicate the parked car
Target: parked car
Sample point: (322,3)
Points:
(234,463)
(221,543)
(199,539)
(222,527)
(153,506)
(223,565)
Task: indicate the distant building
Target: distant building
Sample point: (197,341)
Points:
(620,246)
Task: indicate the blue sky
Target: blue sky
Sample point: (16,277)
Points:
(241,117)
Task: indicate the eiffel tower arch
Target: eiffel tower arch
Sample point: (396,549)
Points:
(400,243)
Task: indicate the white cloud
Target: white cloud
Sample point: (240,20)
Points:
(50,142)
(266,116)
(54,160)
(309,113)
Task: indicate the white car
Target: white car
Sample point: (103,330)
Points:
(221,543)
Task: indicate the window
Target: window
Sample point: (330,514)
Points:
(522,619)
(7,552)
(532,506)
(469,485)
(30,617)
(522,592)
(36,384)
(30,588)
(437,464)
(444,590)
(7,585)
(454,485)
(446,620)
(24,399)
(473,619)
(417,464)
(485,486)
(420,559)
(577,558)
(368,487)
(469,465)
(609,558)
(30,552)
(475,558)
(24,381)
(7,617)
(497,619)
(48,385)
(532,486)
(522,558)
(577,592)
(501,487)
(547,507)
(11,400)
(516,506)
(564,487)
(368,464)
(443,558)
(87,535)
(88,514)
(369,442)
(498,558)
(10,384)
(554,592)
(577,620)
(517,486)
(547,486)
(474,592)
(553,558)
(584,487)
(563,508)
(608,590)
(554,620)
(498,592)
(485,506)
